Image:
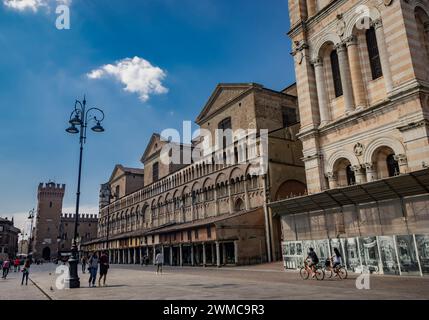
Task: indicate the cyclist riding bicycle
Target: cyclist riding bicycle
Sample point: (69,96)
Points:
(336,259)
(314,260)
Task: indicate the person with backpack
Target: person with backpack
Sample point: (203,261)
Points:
(6,267)
(314,260)
(93,268)
(26,272)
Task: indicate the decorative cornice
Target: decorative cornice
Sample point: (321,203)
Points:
(414,125)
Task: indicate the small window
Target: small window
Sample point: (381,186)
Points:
(225,124)
(196,234)
(289,116)
(209,232)
(189,235)
(50,204)
(155,172)
(374,55)
(336,75)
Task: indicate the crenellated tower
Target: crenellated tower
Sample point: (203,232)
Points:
(49,209)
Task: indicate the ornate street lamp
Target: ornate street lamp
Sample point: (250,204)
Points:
(79,119)
(30,240)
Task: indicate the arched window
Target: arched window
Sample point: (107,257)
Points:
(392,165)
(225,127)
(373,53)
(351,179)
(336,74)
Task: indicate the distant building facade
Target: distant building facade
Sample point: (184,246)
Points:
(363,94)
(8,239)
(210,212)
(53,232)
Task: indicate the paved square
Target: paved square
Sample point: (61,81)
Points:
(132,282)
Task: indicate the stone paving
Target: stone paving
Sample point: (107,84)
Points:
(11,289)
(132,282)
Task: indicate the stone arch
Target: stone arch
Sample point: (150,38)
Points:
(338,155)
(422,4)
(358,15)
(236,173)
(221,177)
(321,42)
(392,143)
(208,183)
(196,186)
(290,188)
(239,205)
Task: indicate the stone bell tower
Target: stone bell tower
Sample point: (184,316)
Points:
(49,208)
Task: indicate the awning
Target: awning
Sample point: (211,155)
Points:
(402,186)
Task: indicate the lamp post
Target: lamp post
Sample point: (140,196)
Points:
(30,240)
(79,119)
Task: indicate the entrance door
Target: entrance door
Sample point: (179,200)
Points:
(46,253)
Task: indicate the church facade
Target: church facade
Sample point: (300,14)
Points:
(362,70)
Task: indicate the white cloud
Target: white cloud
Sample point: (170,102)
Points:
(137,74)
(33,5)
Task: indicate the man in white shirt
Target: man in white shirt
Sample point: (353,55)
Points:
(159,260)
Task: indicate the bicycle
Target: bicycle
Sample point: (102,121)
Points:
(339,271)
(306,270)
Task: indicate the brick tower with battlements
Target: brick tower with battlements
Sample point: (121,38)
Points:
(49,208)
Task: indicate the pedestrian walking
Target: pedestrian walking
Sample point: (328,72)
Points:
(104,268)
(26,272)
(5,267)
(159,260)
(93,268)
(84,262)
(16,265)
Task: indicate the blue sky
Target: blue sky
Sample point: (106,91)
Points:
(194,43)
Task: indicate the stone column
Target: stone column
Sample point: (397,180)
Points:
(332,180)
(224,254)
(321,90)
(216,202)
(384,55)
(162,252)
(311,8)
(204,255)
(359,174)
(180,255)
(246,196)
(236,252)
(356,72)
(371,174)
(345,77)
(171,255)
(192,255)
(217,254)
(154,255)
(213,253)
(231,208)
(141,255)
